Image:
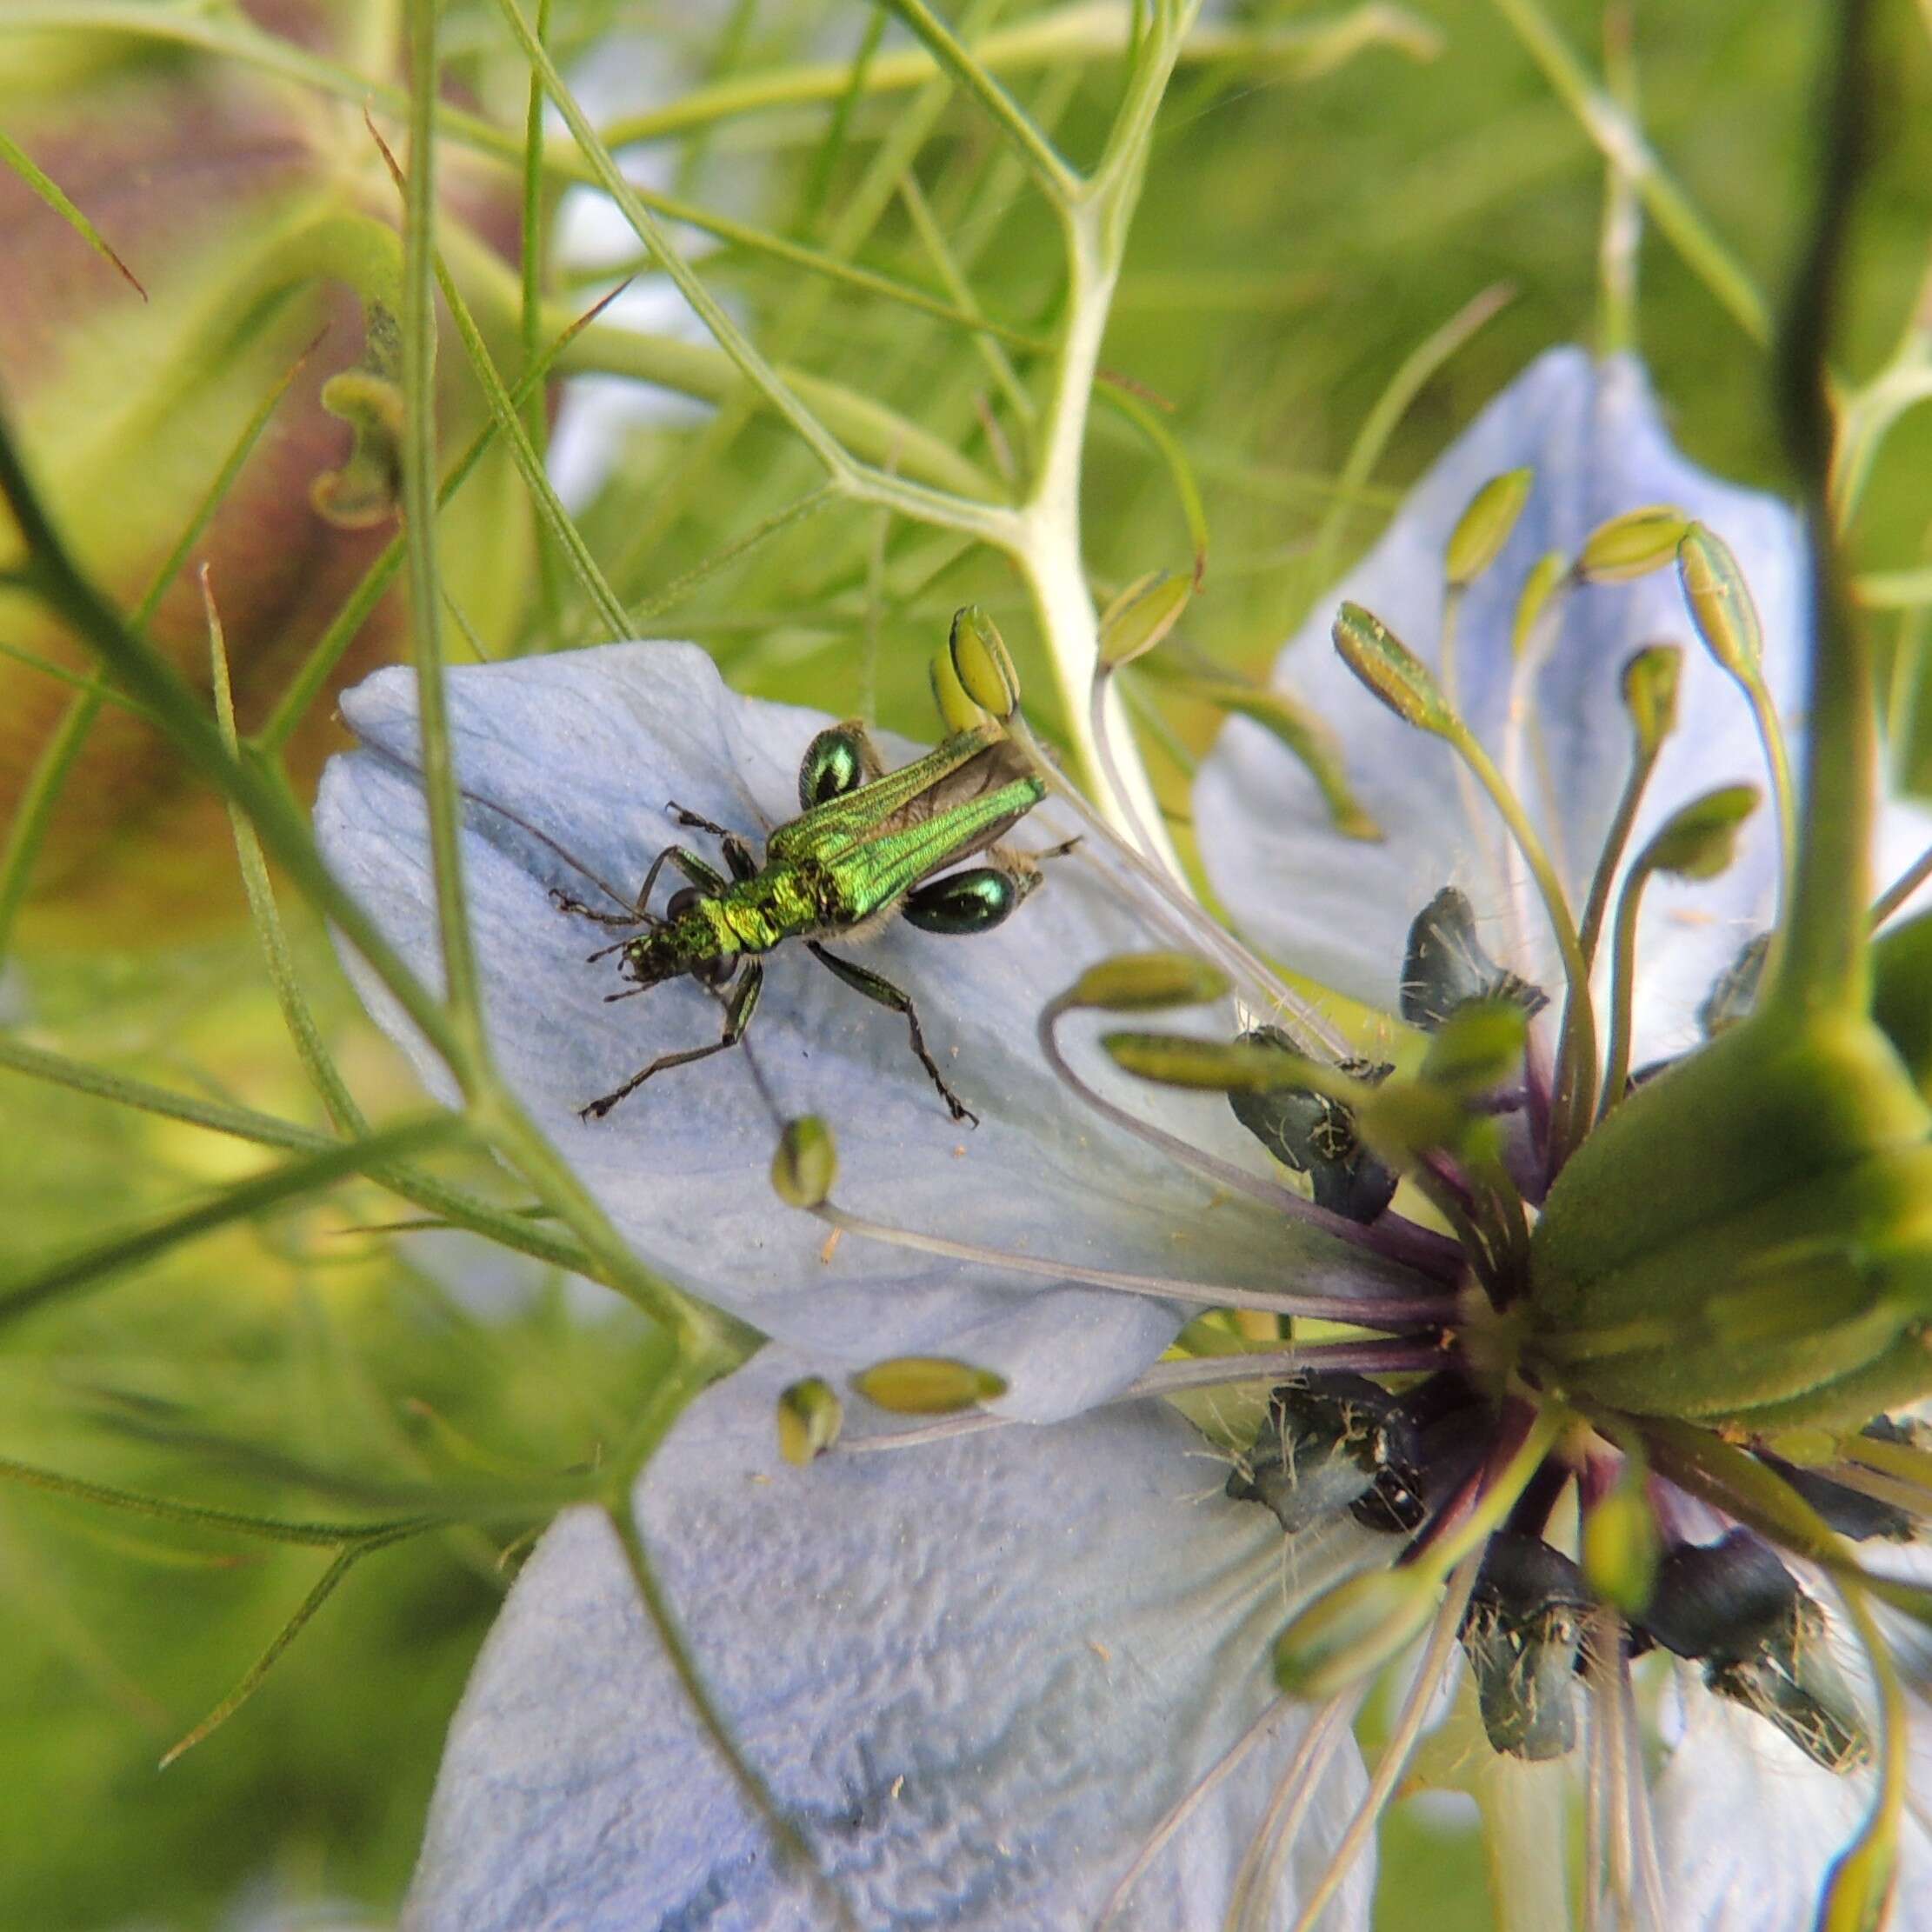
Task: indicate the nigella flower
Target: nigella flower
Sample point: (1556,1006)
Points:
(1616,1458)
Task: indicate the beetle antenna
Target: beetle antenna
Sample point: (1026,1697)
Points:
(562,850)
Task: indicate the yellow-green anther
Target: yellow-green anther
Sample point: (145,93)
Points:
(1725,614)
(1352,1630)
(1549,570)
(955,707)
(985,664)
(1632,545)
(1486,526)
(1697,842)
(1392,671)
(1223,1066)
(1700,840)
(1650,681)
(1142,615)
(1720,602)
(805,1167)
(1146,982)
(927,1385)
(1480,1045)
(1619,1544)
(810,1417)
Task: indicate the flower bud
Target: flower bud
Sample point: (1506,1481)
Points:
(1486,526)
(1391,670)
(1632,545)
(1142,615)
(1700,839)
(1720,602)
(1146,982)
(805,1168)
(983,664)
(810,1417)
(1218,1066)
(1538,588)
(1650,681)
(928,1385)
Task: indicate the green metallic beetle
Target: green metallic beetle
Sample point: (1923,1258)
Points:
(868,845)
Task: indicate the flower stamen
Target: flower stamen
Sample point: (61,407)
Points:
(1368,1311)
(1424,1686)
(1391,1236)
(1902,888)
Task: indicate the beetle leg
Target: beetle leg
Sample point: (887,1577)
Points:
(738,1017)
(883,992)
(737,854)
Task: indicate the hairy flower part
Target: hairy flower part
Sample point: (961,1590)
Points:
(1103,1672)
(264,235)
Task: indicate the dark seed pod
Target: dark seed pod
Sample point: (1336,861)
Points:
(1315,1135)
(1522,1633)
(1412,1485)
(1734,1607)
(1328,1437)
(1445,966)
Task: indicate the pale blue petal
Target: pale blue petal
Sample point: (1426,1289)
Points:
(1748,1826)
(976,1673)
(1904,836)
(588,746)
(1339,908)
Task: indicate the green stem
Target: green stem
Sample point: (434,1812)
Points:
(554,525)
(1057,180)
(1576,1056)
(1598,904)
(24,1290)
(503,1226)
(1622,144)
(327,651)
(419,513)
(1825,963)
(536,415)
(296,1016)
(1624,968)
(1778,759)
(1058,40)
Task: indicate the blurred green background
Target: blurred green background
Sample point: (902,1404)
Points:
(1303,237)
